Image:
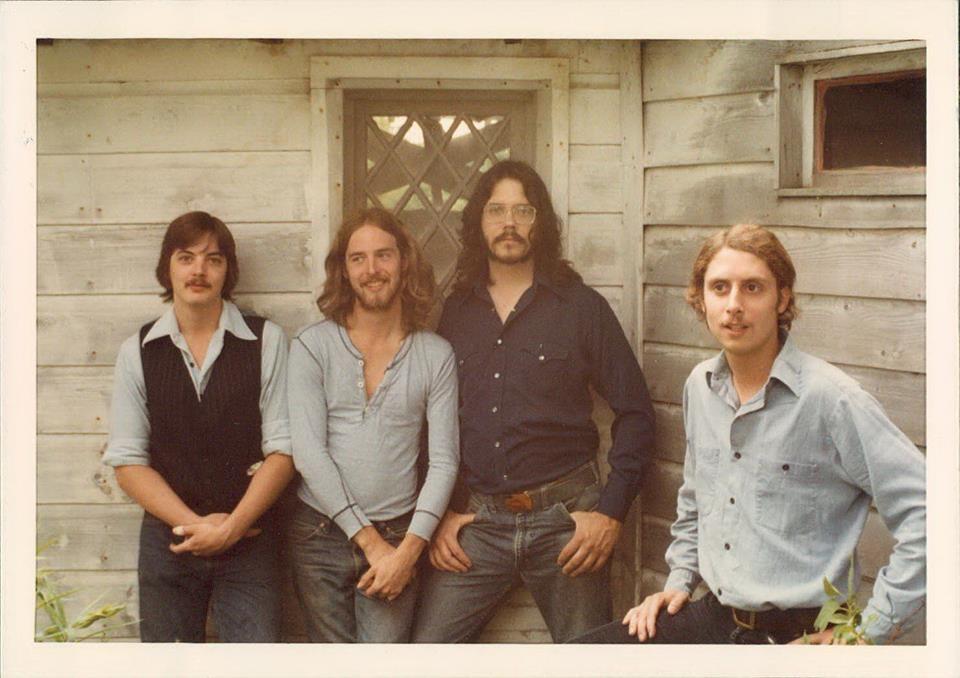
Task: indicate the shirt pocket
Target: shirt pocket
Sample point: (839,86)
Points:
(544,367)
(787,496)
(705,477)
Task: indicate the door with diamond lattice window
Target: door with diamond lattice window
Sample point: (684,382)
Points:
(419,154)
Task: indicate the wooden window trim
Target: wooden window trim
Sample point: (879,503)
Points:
(798,165)
(547,79)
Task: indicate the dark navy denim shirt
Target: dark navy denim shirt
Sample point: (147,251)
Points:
(525,400)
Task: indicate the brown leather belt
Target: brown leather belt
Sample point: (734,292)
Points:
(567,487)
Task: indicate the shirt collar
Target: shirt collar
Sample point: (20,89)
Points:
(786,366)
(231,320)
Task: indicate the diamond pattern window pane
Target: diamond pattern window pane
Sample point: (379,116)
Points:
(422,164)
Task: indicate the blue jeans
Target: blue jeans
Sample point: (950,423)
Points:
(326,569)
(507,549)
(176,590)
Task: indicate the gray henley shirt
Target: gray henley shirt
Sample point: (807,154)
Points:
(358,457)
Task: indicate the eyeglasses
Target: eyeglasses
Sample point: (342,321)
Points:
(522,214)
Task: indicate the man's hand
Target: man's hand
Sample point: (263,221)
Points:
(445,551)
(391,569)
(642,619)
(592,543)
(210,535)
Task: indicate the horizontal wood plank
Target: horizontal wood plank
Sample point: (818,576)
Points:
(595,243)
(595,178)
(902,394)
(734,128)
(720,195)
(156,187)
(73,399)
(836,262)
(96,326)
(69,470)
(881,333)
(89,536)
(675,69)
(595,116)
(164,122)
(122,259)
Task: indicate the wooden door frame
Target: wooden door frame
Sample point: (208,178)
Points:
(548,79)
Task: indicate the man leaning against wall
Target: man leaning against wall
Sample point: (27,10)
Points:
(199,438)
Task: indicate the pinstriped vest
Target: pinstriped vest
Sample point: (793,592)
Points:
(203,447)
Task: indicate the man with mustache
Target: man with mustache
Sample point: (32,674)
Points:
(784,455)
(199,438)
(361,384)
(531,341)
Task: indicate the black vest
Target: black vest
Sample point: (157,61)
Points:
(204,448)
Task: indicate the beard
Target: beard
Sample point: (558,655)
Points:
(517,256)
(380,300)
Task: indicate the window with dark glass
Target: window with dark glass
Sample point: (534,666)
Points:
(871,122)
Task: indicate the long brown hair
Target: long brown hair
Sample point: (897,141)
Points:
(186,230)
(544,236)
(417,286)
(755,240)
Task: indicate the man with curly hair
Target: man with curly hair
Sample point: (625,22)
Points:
(361,384)
(532,340)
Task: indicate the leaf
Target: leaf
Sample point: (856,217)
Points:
(830,589)
(827,611)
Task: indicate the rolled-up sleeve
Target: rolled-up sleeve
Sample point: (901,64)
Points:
(129,440)
(443,447)
(275,420)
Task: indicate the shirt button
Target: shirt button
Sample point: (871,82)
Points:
(719,592)
(786,467)
(359,384)
(732,500)
(736,455)
(496,375)
(497,444)
(494,409)
(540,358)
(361,363)
(505,476)
(461,362)
(499,342)
(192,365)
(726,547)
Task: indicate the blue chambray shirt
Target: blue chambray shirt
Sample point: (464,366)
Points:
(776,491)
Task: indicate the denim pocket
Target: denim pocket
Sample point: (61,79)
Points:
(587,500)
(307,524)
(787,496)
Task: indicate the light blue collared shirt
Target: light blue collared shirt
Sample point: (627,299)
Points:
(776,492)
(129,420)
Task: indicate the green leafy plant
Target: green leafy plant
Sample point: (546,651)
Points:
(61,628)
(849,628)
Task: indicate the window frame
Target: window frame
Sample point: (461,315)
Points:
(796,78)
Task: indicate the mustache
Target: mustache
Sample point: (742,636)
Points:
(375,278)
(200,282)
(509,235)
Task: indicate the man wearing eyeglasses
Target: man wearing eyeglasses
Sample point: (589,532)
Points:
(531,339)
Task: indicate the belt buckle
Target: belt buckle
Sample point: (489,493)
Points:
(748,625)
(519,502)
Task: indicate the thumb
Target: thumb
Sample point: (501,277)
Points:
(675,604)
(184,530)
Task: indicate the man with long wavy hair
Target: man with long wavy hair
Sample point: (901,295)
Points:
(361,384)
(531,340)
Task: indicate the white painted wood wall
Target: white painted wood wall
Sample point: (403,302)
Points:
(709,143)
(133,133)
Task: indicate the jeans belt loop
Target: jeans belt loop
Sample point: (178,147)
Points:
(749,625)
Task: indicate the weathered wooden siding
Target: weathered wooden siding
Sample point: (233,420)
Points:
(132,133)
(709,144)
